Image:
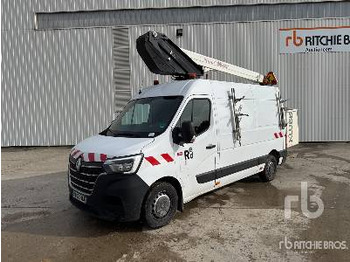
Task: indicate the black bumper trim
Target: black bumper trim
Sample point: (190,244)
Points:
(116,197)
(225,171)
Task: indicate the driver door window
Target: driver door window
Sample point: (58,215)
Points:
(198,112)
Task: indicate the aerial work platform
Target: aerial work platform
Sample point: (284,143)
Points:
(162,56)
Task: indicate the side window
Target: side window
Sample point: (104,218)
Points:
(186,114)
(198,112)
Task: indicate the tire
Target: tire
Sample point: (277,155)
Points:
(269,172)
(160,205)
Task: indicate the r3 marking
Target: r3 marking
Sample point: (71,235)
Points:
(188,153)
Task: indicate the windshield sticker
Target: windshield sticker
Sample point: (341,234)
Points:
(151,134)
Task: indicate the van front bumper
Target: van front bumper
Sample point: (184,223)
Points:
(116,197)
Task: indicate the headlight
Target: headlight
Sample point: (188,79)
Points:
(125,165)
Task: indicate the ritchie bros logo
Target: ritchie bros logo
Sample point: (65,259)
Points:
(315,39)
(296,40)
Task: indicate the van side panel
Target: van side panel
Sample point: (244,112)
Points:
(247,156)
(234,159)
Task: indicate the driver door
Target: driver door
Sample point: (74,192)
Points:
(197,159)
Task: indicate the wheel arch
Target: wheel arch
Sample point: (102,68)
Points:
(276,154)
(176,184)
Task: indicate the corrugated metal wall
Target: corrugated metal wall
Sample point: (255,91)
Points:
(19,14)
(317,84)
(121,67)
(57,86)
(193,15)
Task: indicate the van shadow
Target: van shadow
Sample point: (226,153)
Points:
(71,222)
(253,193)
(249,193)
(43,208)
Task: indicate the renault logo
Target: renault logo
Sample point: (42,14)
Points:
(78,164)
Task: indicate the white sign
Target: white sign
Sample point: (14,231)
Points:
(292,127)
(319,39)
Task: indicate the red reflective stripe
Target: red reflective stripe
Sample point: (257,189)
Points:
(281,135)
(91,157)
(276,135)
(103,157)
(167,157)
(152,160)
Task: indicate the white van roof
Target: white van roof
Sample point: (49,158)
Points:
(200,86)
(174,88)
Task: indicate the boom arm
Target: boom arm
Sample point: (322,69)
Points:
(164,57)
(210,63)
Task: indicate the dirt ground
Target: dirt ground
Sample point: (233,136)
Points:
(244,221)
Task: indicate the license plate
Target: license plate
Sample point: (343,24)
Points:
(78,196)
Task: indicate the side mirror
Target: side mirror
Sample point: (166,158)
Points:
(187,132)
(177,135)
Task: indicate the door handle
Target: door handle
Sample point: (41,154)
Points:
(210,146)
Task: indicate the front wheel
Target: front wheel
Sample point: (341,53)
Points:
(160,205)
(269,172)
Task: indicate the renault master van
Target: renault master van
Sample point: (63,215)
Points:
(174,142)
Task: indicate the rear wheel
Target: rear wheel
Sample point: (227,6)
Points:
(160,205)
(269,172)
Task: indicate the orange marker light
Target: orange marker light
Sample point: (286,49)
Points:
(270,79)
(192,75)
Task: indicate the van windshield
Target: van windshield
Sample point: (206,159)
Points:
(146,117)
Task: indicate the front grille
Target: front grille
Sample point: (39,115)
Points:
(84,180)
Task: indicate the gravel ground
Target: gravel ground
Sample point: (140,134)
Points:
(240,222)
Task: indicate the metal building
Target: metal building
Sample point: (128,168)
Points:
(68,66)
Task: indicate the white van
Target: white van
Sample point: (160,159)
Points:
(174,142)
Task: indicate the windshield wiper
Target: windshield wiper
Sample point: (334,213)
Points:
(110,130)
(126,134)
